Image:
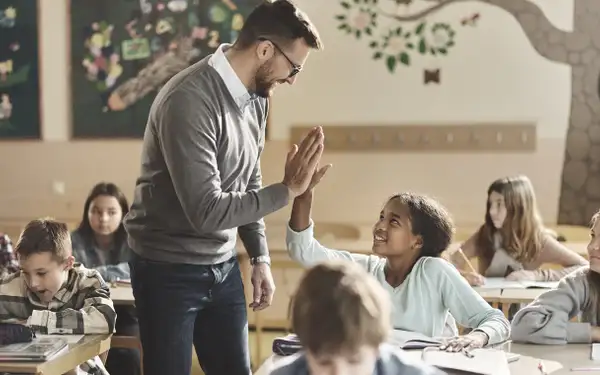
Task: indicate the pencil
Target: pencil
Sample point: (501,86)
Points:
(467,260)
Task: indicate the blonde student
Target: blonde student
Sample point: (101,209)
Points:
(53,295)
(547,320)
(512,242)
(341,316)
(409,235)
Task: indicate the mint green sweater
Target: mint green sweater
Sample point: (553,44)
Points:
(422,302)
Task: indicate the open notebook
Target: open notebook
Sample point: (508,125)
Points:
(482,361)
(502,283)
(412,340)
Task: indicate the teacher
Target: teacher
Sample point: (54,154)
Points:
(200,186)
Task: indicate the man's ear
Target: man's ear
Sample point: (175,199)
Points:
(69,262)
(264,50)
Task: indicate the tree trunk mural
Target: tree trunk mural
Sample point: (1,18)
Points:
(580,48)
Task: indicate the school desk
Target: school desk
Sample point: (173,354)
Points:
(88,347)
(527,364)
(122,295)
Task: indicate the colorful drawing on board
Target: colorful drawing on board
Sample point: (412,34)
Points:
(102,61)
(19,85)
(403,37)
(137,46)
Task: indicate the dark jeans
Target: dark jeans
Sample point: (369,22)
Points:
(183,304)
(121,361)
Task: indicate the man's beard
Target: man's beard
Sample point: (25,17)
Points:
(263,85)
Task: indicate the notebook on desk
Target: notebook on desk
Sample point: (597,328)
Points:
(481,362)
(412,340)
(502,283)
(39,350)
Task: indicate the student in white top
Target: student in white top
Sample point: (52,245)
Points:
(408,238)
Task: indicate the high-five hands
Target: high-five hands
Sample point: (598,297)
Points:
(302,161)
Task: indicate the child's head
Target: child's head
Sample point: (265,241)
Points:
(594,245)
(103,211)
(45,256)
(511,210)
(341,315)
(412,226)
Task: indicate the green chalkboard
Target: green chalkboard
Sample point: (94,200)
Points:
(19,67)
(123,51)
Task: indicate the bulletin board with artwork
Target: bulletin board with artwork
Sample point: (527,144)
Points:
(19,70)
(123,51)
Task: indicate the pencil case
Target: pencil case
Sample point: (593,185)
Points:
(12,333)
(287,345)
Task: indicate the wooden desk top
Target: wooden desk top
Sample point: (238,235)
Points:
(557,360)
(122,295)
(569,356)
(88,347)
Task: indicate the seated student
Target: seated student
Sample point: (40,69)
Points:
(409,236)
(513,242)
(8,260)
(341,316)
(100,242)
(547,320)
(53,295)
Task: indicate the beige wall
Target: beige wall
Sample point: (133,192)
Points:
(493,75)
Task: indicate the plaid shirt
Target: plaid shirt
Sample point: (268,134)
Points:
(8,260)
(81,306)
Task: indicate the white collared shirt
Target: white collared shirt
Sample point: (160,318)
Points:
(238,90)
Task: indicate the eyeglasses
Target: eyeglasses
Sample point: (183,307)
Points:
(295,67)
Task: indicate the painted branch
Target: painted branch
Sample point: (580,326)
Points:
(538,29)
(542,34)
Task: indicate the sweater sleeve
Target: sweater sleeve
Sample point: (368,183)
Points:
(547,320)
(466,305)
(305,249)
(189,136)
(556,253)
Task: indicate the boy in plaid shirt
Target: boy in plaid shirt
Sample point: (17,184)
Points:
(51,293)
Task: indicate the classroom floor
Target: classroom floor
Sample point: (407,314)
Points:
(265,350)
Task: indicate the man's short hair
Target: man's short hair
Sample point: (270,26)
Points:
(338,308)
(45,236)
(280,21)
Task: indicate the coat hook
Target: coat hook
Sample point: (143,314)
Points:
(376,138)
(499,137)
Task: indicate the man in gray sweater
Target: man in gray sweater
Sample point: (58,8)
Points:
(200,186)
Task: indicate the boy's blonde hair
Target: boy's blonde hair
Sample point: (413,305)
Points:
(45,236)
(338,307)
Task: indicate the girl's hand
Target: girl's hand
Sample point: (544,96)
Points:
(473,340)
(474,279)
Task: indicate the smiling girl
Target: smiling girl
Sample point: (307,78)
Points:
(512,242)
(409,236)
(547,320)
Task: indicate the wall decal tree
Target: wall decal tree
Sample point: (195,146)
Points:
(580,48)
